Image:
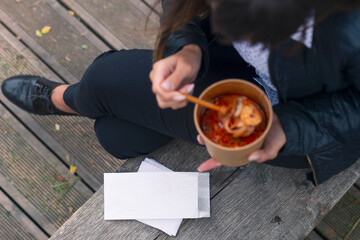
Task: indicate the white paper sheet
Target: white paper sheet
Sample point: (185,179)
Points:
(150,165)
(168,225)
(150,195)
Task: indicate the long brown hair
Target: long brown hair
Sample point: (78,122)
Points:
(264,21)
(175,16)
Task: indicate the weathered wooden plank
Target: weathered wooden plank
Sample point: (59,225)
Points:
(181,156)
(313,236)
(259,202)
(15,224)
(150,11)
(68,143)
(327,231)
(24,203)
(269,203)
(95,24)
(178,156)
(355,193)
(119,20)
(343,217)
(89,224)
(40,177)
(50,141)
(78,25)
(154,4)
(357,184)
(36,46)
(24,134)
(65,46)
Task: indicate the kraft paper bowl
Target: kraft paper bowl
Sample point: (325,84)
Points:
(234,156)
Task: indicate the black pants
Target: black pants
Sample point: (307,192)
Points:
(116,91)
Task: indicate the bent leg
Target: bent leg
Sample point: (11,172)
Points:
(117,85)
(124,139)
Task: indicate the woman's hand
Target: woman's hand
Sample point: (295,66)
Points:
(273,142)
(175,73)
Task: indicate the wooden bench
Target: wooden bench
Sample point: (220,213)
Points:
(256,202)
(252,202)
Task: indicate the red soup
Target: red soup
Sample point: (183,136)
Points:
(213,127)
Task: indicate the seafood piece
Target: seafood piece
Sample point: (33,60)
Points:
(242,117)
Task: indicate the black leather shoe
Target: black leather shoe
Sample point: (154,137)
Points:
(32,93)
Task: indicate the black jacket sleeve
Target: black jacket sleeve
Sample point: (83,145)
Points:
(323,121)
(189,34)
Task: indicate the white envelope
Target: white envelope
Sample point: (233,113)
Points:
(150,165)
(169,226)
(151,195)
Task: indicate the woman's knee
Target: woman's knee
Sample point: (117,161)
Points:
(100,80)
(124,139)
(112,140)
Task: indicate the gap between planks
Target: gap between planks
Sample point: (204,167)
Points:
(26,117)
(21,217)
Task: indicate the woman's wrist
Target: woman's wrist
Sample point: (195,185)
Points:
(194,48)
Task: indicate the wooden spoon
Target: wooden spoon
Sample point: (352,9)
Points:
(221,109)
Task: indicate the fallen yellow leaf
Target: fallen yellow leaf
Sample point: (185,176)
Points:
(72,169)
(71,13)
(38,33)
(45,29)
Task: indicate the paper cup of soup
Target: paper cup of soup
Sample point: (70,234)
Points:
(221,145)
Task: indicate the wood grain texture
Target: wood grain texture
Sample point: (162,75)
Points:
(357,183)
(260,202)
(24,203)
(344,216)
(80,27)
(182,156)
(110,38)
(314,236)
(117,21)
(15,224)
(327,231)
(154,4)
(9,122)
(62,46)
(44,127)
(28,39)
(269,203)
(89,223)
(176,155)
(148,10)
(76,134)
(35,172)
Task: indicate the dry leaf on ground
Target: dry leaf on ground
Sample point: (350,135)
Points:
(72,169)
(38,33)
(45,29)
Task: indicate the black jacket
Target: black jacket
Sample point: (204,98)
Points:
(318,89)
